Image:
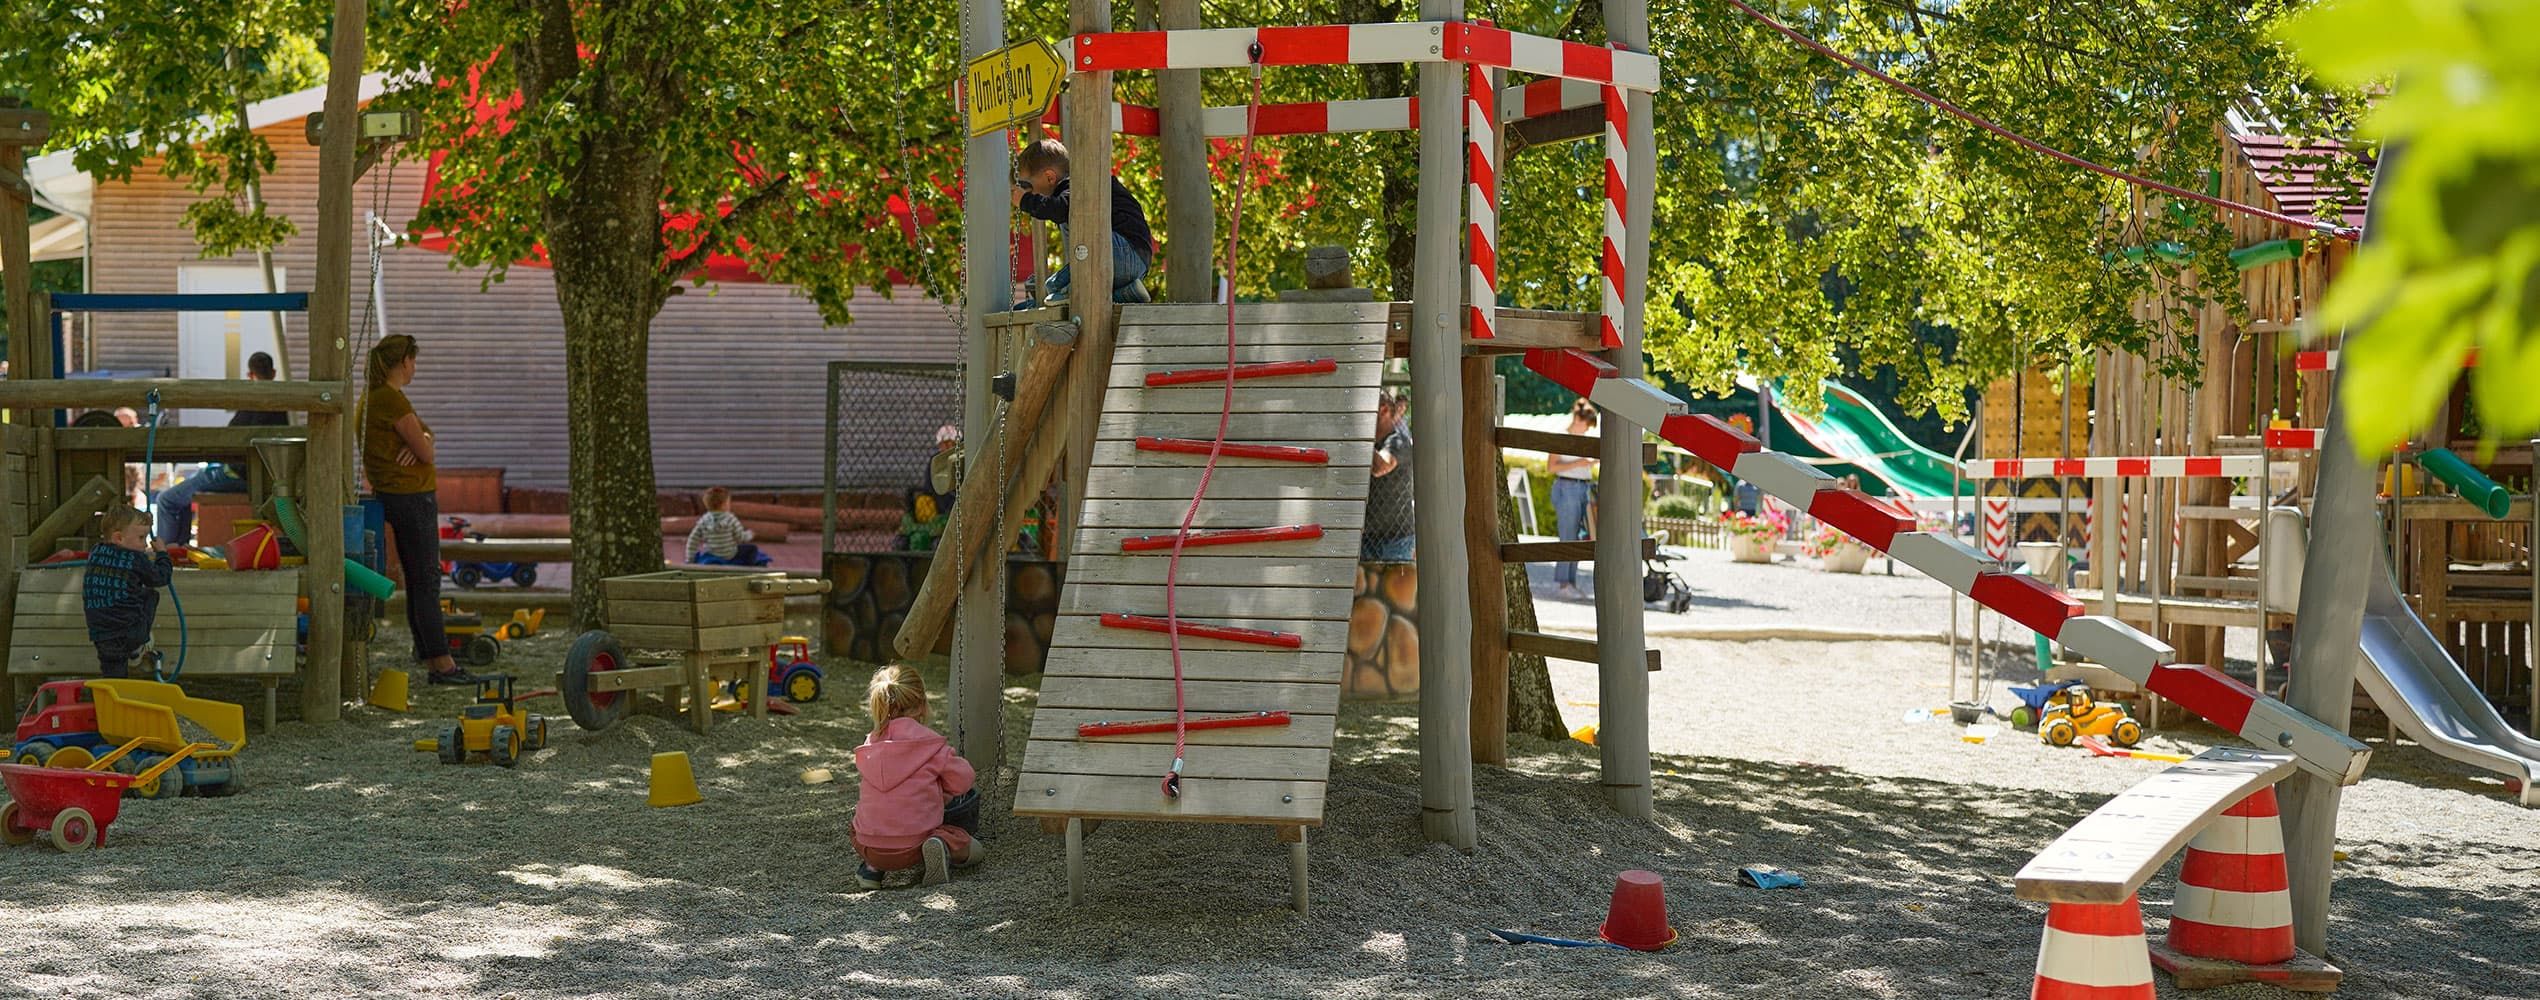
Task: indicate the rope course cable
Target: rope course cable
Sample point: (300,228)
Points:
(2335,230)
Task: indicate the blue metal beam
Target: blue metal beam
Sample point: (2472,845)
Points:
(199,302)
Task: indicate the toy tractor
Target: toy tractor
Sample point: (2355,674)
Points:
(2072,714)
(469,574)
(790,672)
(471,640)
(494,727)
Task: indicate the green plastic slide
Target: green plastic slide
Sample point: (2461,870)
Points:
(1855,431)
(362,578)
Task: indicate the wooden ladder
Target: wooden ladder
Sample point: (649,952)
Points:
(1300,587)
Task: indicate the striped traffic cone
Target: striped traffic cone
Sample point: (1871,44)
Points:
(2093,951)
(2232,897)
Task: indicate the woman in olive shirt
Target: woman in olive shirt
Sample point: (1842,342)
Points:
(397,455)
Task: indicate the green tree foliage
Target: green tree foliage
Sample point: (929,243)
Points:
(2453,263)
(130,80)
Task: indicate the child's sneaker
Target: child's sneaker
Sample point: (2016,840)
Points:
(938,862)
(866,877)
(978,853)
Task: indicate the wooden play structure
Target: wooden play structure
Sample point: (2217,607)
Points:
(54,478)
(1261,623)
(683,634)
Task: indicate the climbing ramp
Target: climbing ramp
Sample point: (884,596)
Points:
(1265,582)
(2222,700)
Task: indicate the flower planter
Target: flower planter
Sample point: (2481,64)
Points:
(1751,547)
(1847,558)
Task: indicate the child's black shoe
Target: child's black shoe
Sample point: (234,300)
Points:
(456,675)
(866,877)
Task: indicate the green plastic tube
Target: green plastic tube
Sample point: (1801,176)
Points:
(363,578)
(2483,493)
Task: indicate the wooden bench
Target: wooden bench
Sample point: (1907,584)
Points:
(237,624)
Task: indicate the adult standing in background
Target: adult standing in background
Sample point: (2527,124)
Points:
(1573,496)
(1389,534)
(397,456)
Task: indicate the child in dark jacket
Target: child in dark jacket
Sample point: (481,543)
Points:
(120,594)
(1044,191)
(915,807)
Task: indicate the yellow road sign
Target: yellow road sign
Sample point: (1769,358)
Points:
(1013,84)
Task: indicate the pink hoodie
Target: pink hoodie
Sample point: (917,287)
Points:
(908,771)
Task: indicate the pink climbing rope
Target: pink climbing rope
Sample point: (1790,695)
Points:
(1216,448)
(2316,225)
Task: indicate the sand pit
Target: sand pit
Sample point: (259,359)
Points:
(357,866)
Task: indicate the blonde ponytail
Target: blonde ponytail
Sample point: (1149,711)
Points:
(897,692)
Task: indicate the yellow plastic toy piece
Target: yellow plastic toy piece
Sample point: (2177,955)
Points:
(146,713)
(674,780)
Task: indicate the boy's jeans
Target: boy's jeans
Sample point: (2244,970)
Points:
(1128,266)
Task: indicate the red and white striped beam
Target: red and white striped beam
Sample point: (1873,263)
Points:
(1348,44)
(1617,196)
(1481,192)
(2321,361)
(2146,467)
(1378,114)
(2228,703)
(2295,438)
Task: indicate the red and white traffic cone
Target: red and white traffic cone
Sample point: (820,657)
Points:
(2233,921)
(2093,951)
(2232,897)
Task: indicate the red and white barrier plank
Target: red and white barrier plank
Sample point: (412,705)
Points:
(2143,467)
(2041,607)
(1349,44)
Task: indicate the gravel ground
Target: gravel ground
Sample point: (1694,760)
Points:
(356,866)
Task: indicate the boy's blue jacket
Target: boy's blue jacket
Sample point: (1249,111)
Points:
(121,595)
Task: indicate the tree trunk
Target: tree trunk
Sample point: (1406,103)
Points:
(1532,709)
(604,233)
(1393,151)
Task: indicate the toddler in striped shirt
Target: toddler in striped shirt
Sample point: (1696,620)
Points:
(719,539)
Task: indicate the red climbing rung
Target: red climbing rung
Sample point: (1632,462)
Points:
(1226,536)
(1247,720)
(1256,636)
(1195,446)
(1265,369)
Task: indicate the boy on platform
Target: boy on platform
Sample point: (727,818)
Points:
(719,539)
(1041,190)
(120,594)
(915,807)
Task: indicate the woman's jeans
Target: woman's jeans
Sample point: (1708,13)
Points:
(414,525)
(1570,500)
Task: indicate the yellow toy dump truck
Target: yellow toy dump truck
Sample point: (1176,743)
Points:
(155,721)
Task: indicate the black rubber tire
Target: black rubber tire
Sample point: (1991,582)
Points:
(526,576)
(592,652)
(802,685)
(483,650)
(467,576)
(506,746)
(453,747)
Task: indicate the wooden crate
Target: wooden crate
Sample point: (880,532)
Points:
(698,610)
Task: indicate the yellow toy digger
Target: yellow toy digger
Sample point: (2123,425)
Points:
(494,727)
(2071,715)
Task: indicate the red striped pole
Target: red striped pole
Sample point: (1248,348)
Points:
(2093,951)
(1195,446)
(1617,197)
(1229,633)
(1246,720)
(1481,235)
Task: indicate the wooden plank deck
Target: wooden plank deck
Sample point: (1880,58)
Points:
(2111,852)
(1262,775)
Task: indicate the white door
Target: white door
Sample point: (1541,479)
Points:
(217,344)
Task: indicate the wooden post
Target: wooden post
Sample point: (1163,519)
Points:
(1087,252)
(976,703)
(1438,500)
(1489,582)
(20,130)
(2327,637)
(330,320)
(1622,736)
(1190,216)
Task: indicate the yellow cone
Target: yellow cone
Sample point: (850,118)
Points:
(389,691)
(1585,734)
(674,782)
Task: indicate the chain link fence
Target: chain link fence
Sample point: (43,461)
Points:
(884,422)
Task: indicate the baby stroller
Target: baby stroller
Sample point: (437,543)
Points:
(1659,584)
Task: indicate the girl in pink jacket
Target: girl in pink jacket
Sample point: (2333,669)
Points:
(915,807)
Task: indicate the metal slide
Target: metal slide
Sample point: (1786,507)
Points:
(2416,683)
